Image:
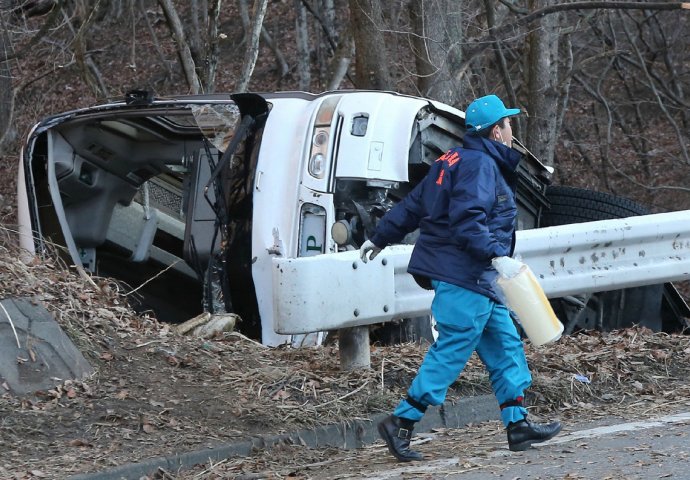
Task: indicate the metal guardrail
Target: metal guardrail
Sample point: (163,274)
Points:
(609,254)
(338,290)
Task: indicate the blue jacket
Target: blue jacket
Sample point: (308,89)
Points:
(466,213)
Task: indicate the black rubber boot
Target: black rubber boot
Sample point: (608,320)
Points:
(522,434)
(397,434)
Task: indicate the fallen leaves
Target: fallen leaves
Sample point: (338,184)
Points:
(629,364)
(281,395)
(148,428)
(79,442)
(155,391)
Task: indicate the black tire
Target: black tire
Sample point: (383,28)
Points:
(576,205)
(606,310)
(416,330)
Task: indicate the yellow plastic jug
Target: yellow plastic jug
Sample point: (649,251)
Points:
(525,297)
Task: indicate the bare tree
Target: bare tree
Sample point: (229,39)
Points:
(341,61)
(501,52)
(32,8)
(325,53)
(6,90)
(371,67)
(550,60)
(281,63)
(197,10)
(657,94)
(23,34)
(334,46)
(86,17)
(604,82)
(436,42)
(252,52)
(183,50)
(213,48)
(154,38)
(630,80)
(302,40)
(542,84)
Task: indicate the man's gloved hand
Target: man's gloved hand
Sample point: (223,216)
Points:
(367,247)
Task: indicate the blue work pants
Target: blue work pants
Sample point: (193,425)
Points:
(467,321)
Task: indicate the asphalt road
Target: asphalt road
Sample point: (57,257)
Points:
(649,449)
(608,448)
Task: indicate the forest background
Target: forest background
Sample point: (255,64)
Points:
(604,85)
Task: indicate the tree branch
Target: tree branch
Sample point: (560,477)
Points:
(322,22)
(154,39)
(498,33)
(213,47)
(657,97)
(562,7)
(47,25)
(183,51)
(513,8)
(501,61)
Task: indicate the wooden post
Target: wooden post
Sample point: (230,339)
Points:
(353,346)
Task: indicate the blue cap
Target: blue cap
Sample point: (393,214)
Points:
(485,111)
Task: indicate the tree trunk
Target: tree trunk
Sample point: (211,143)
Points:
(6,92)
(325,63)
(195,35)
(328,9)
(436,47)
(85,16)
(302,37)
(154,38)
(281,64)
(542,86)
(326,43)
(252,52)
(244,18)
(565,79)
(341,62)
(502,66)
(371,67)
(183,51)
(198,45)
(213,48)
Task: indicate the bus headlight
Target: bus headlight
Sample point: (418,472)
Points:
(317,165)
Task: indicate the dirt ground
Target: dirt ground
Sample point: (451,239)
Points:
(156,393)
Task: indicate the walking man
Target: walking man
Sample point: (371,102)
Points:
(466,212)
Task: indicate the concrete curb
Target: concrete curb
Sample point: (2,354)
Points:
(346,435)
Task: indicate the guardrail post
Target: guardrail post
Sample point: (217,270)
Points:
(353,346)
